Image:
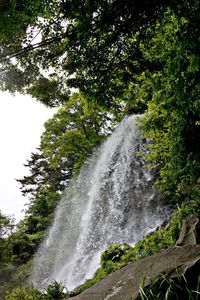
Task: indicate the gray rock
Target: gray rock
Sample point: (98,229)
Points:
(124,283)
(190,232)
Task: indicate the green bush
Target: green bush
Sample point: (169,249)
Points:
(25,293)
(55,291)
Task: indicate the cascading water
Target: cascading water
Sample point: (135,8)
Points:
(110,201)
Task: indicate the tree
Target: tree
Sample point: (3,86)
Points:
(6,227)
(88,45)
(73,132)
(67,141)
(172,118)
(41,174)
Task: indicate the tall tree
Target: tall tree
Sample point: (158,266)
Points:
(90,45)
(68,139)
(173,117)
(6,228)
(72,133)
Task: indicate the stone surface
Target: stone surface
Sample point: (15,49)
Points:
(190,232)
(124,283)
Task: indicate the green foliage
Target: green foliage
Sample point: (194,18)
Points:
(29,293)
(7,226)
(23,242)
(171,121)
(114,257)
(43,186)
(73,132)
(55,291)
(25,293)
(83,45)
(24,14)
(12,277)
(171,288)
(21,246)
(49,91)
(6,273)
(127,56)
(43,175)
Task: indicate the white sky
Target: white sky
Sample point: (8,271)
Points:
(21,125)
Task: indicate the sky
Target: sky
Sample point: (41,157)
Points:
(21,125)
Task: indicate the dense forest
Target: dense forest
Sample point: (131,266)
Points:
(98,61)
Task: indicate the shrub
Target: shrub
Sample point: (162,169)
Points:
(25,293)
(55,291)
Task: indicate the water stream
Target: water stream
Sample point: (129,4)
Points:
(111,200)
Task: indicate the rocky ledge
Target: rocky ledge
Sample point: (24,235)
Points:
(183,258)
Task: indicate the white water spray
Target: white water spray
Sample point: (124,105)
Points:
(110,201)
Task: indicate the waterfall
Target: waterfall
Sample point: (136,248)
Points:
(110,201)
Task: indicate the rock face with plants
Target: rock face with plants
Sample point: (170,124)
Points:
(120,57)
(170,274)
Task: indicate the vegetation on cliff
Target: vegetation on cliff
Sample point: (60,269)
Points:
(123,57)
(117,256)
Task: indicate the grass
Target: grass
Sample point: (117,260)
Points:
(165,288)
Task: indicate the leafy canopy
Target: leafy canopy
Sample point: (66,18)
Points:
(173,115)
(82,44)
